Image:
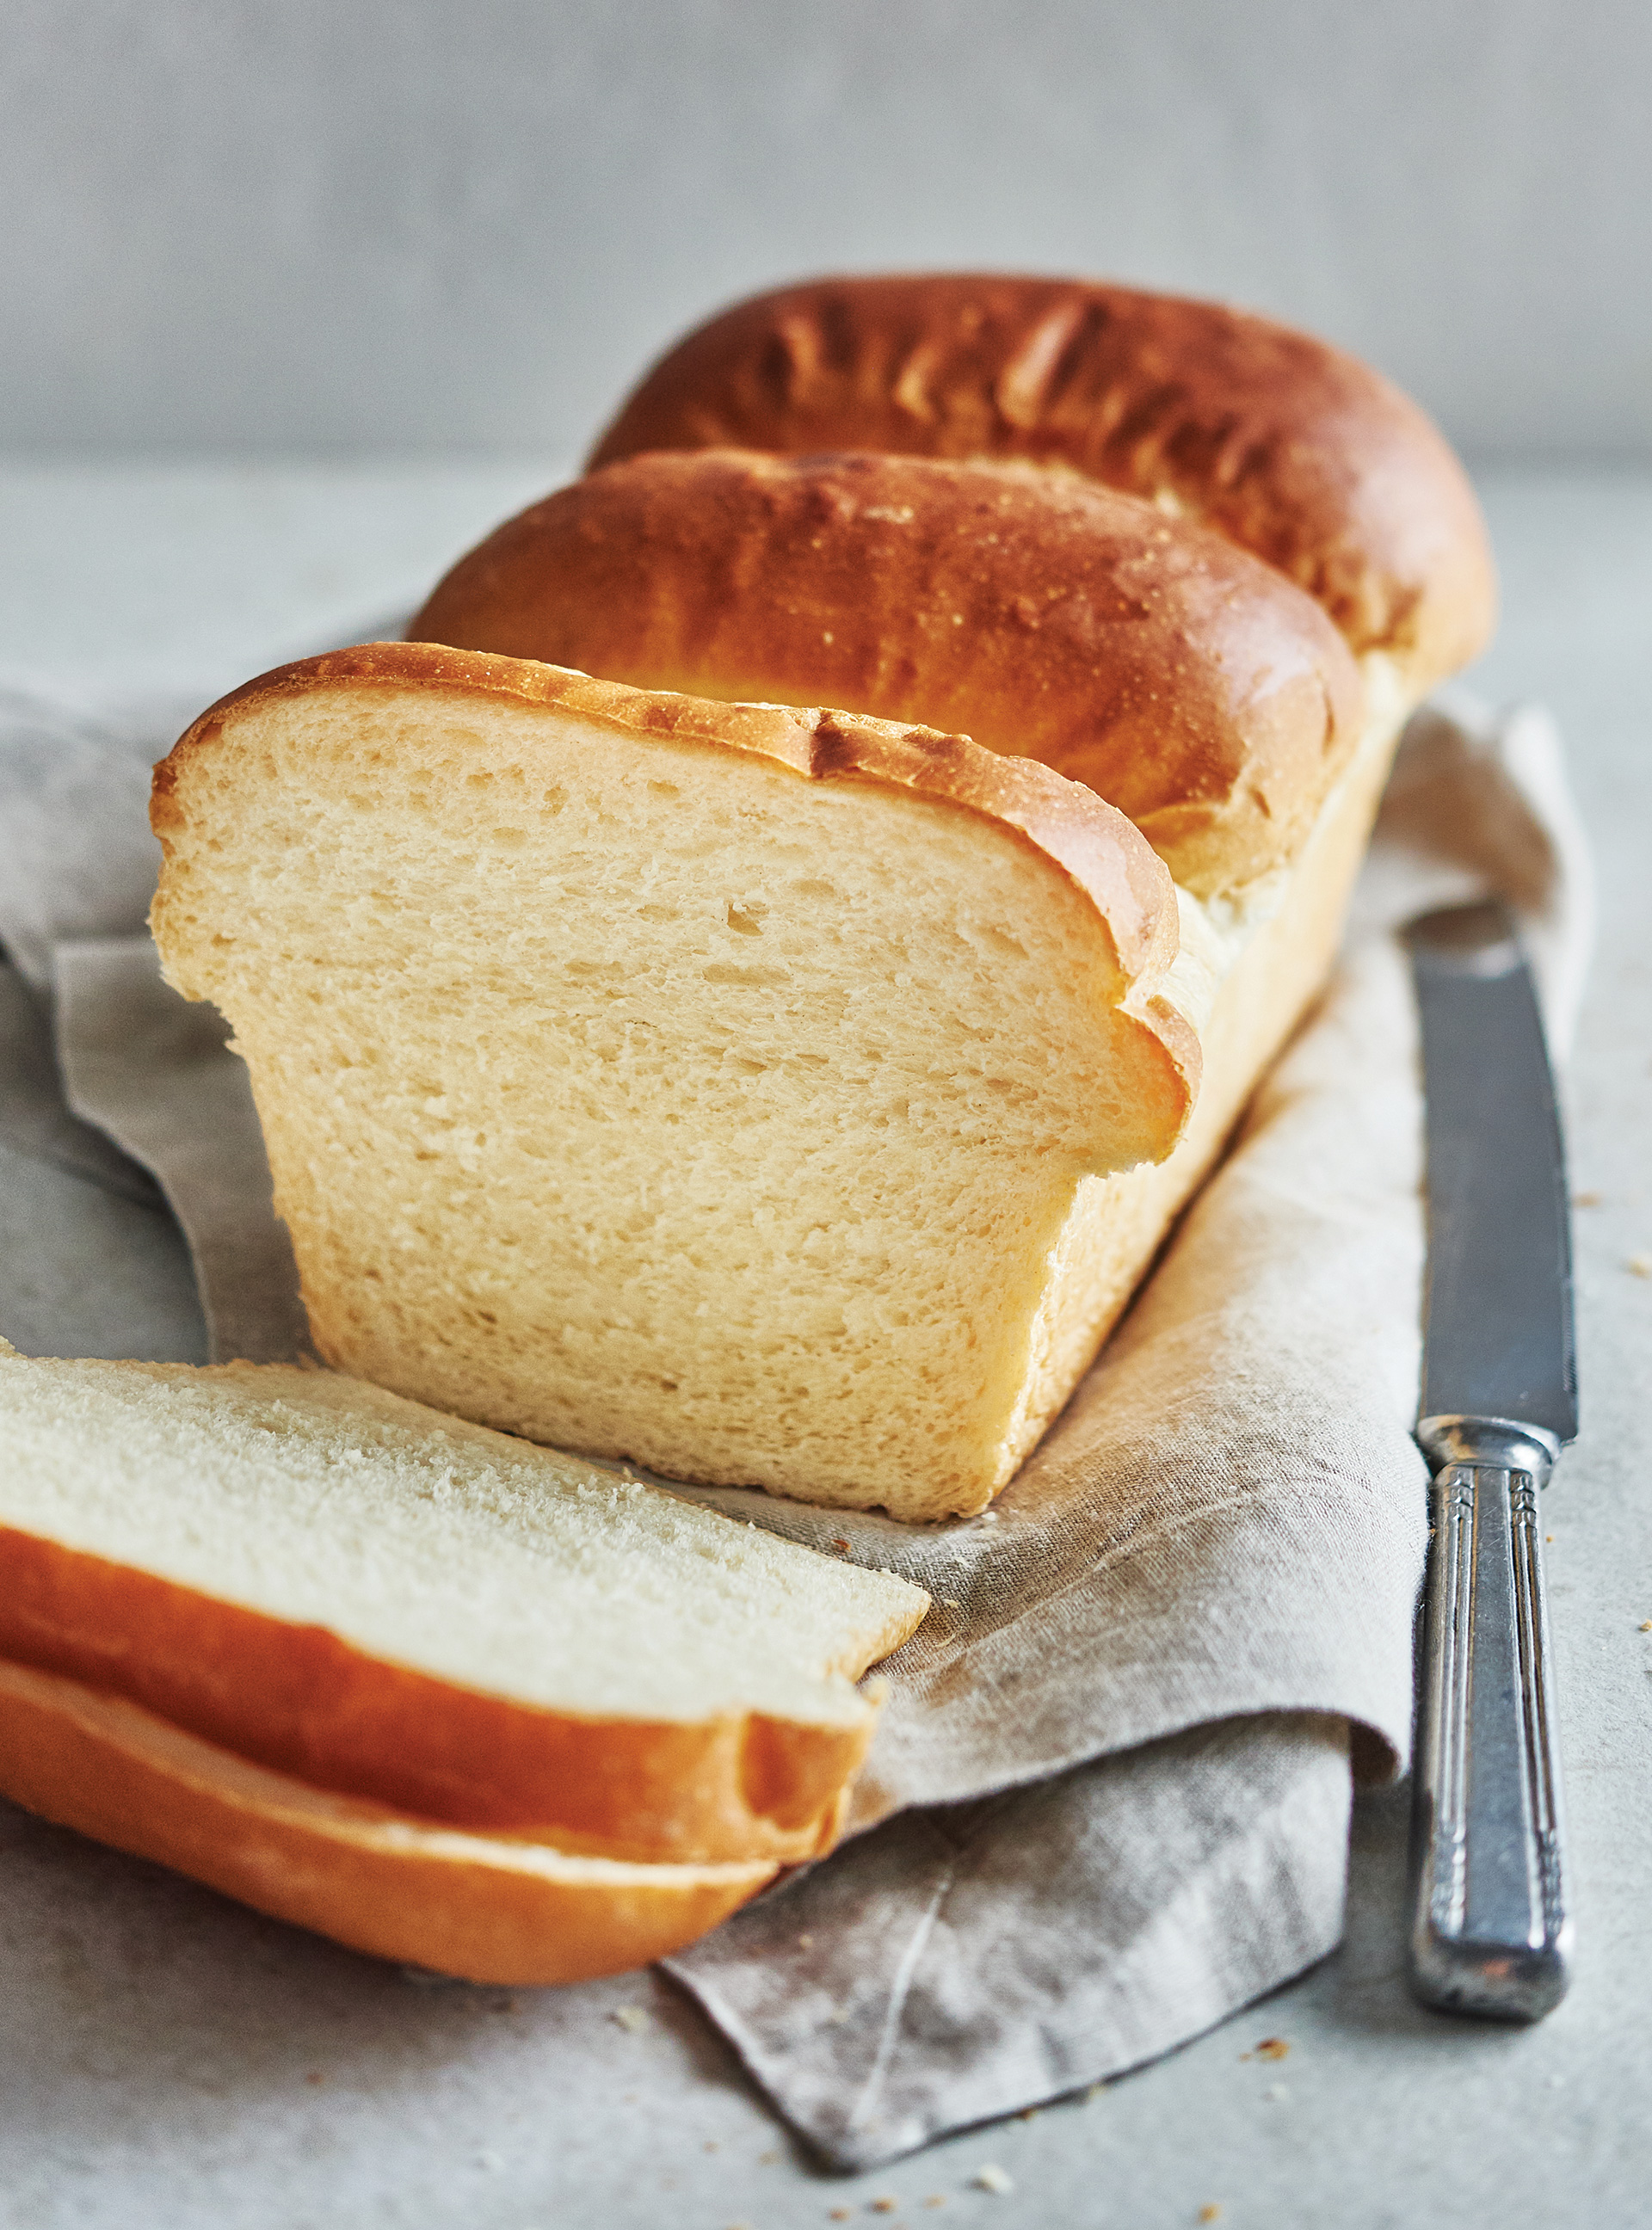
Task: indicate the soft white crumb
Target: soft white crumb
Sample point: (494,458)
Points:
(992,2178)
(629,2017)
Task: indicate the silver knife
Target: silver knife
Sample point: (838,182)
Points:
(1491,1933)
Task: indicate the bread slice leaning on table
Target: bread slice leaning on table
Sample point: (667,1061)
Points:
(443,1695)
(709,1085)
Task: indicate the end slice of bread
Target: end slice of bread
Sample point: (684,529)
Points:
(399,1606)
(707,1085)
(484,1908)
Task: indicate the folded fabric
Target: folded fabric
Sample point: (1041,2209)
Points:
(1119,1747)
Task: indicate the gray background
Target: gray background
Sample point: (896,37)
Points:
(410,225)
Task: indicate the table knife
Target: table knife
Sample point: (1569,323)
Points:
(1491,1933)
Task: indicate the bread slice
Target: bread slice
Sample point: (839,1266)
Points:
(706,1084)
(484,1908)
(402,1606)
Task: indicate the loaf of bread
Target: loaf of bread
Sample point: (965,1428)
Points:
(1290,448)
(708,1085)
(439,1693)
(813,1134)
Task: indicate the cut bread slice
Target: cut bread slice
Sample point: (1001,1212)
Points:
(481,1907)
(377,1600)
(707,1084)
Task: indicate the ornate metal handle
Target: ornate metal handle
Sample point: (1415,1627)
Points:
(1490,1930)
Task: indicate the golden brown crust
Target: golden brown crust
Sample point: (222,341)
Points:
(1297,452)
(491,1909)
(1099,850)
(299,1700)
(1176,676)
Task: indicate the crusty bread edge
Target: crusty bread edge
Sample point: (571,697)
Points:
(484,1908)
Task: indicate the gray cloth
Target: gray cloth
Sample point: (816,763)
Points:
(1107,1802)
(158,1075)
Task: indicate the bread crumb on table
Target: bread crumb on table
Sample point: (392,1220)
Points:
(629,2017)
(1211,2211)
(1639,1265)
(1273,2047)
(884,2206)
(992,2178)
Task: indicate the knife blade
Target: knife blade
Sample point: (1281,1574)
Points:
(1491,1930)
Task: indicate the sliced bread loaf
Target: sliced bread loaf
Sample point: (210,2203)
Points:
(708,1085)
(402,1606)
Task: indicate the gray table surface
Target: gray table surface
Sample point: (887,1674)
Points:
(167,2059)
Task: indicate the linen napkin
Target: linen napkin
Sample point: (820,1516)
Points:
(1107,1802)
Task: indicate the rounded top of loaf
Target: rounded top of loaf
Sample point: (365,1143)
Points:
(1287,446)
(1050,618)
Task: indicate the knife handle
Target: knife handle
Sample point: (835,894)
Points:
(1491,1933)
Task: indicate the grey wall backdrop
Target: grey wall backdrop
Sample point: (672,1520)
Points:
(352,225)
